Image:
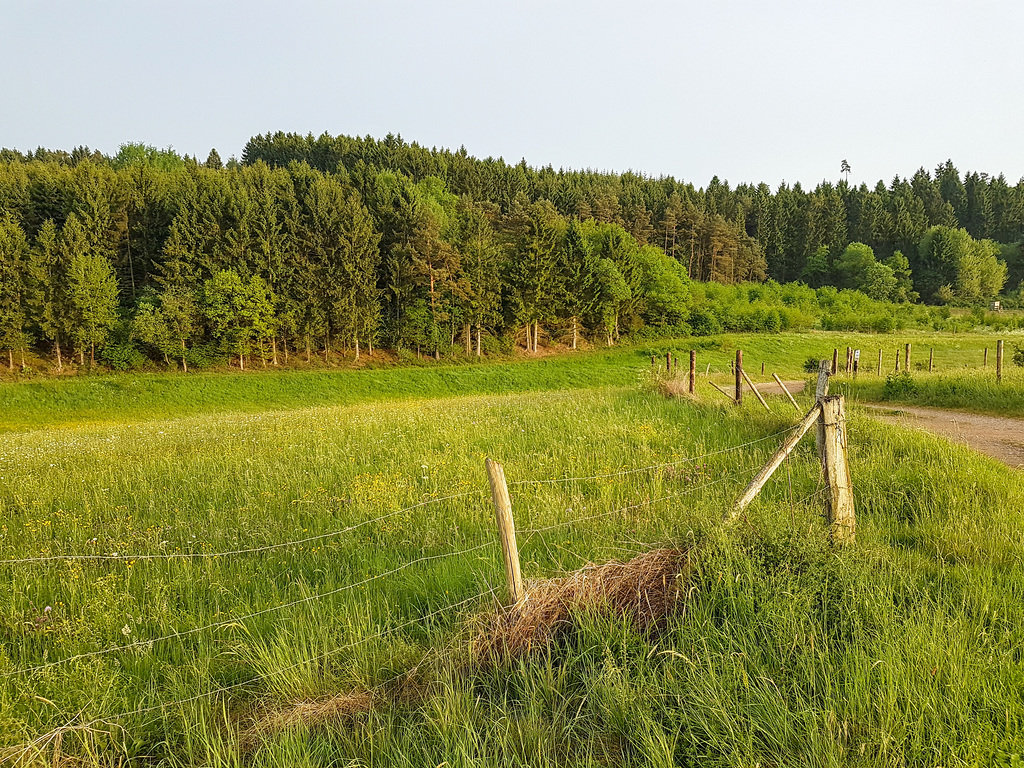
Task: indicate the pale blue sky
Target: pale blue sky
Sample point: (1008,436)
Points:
(748,90)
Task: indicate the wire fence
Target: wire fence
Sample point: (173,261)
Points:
(528,533)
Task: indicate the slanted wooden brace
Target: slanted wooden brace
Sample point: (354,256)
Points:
(830,416)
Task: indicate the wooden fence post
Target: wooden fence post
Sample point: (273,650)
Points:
(739,377)
(985,363)
(693,369)
(849,359)
(785,391)
(668,363)
(841,516)
(897,361)
(754,390)
(999,360)
(773,463)
(820,392)
(931,359)
(506,530)
(654,363)
(906,359)
(879,370)
(835,362)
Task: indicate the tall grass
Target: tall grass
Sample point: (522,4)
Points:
(904,649)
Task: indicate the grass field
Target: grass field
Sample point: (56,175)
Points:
(902,650)
(120,398)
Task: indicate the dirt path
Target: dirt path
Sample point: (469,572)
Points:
(995,436)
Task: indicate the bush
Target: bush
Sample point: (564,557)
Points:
(1018,355)
(899,386)
(811,364)
(122,357)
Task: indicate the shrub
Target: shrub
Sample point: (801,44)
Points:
(1018,355)
(811,364)
(899,386)
(122,357)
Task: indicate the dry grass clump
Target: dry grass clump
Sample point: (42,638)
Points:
(674,387)
(644,590)
(309,713)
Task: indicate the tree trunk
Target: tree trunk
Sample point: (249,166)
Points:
(241,361)
(468,330)
(369,345)
(81,357)
(10,359)
(184,365)
(536,335)
(284,346)
(308,350)
(575,330)
(529,340)
(478,339)
(273,349)
(60,364)
(357,347)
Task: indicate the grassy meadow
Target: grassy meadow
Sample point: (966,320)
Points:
(262,544)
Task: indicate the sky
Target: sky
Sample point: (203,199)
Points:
(748,90)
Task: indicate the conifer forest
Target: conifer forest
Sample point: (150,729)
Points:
(323,246)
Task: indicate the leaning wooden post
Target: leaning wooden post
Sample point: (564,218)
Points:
(506,530)
(906,359)
(731,397)
(773,463)
(754,389)
(931,358)
(879,369)
(999,360)
(739,377)
(693,369)
(785,391)
(841,517)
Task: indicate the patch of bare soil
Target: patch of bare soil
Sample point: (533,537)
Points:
(771,388)
(1000,437)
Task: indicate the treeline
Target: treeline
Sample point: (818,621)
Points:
(312,245)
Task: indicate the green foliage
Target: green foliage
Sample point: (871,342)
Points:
(1018,355)
(899,386)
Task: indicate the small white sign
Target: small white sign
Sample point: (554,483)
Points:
(856,354)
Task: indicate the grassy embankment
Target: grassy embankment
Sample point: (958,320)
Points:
(116,398)
(902,650)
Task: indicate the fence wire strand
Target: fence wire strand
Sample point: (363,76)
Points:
(239,619)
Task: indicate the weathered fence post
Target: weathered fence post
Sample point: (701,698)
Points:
(841,516)
(835,362)
(879,369)
(856,362)
(849,359)
(506,530)
(985,363)
(931,358)
(999,360)
(693,369)
(897,361)
(739,377)
(654,363)
(785,391)
(820,392)
(754,390)
(906,359)
(668,363)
